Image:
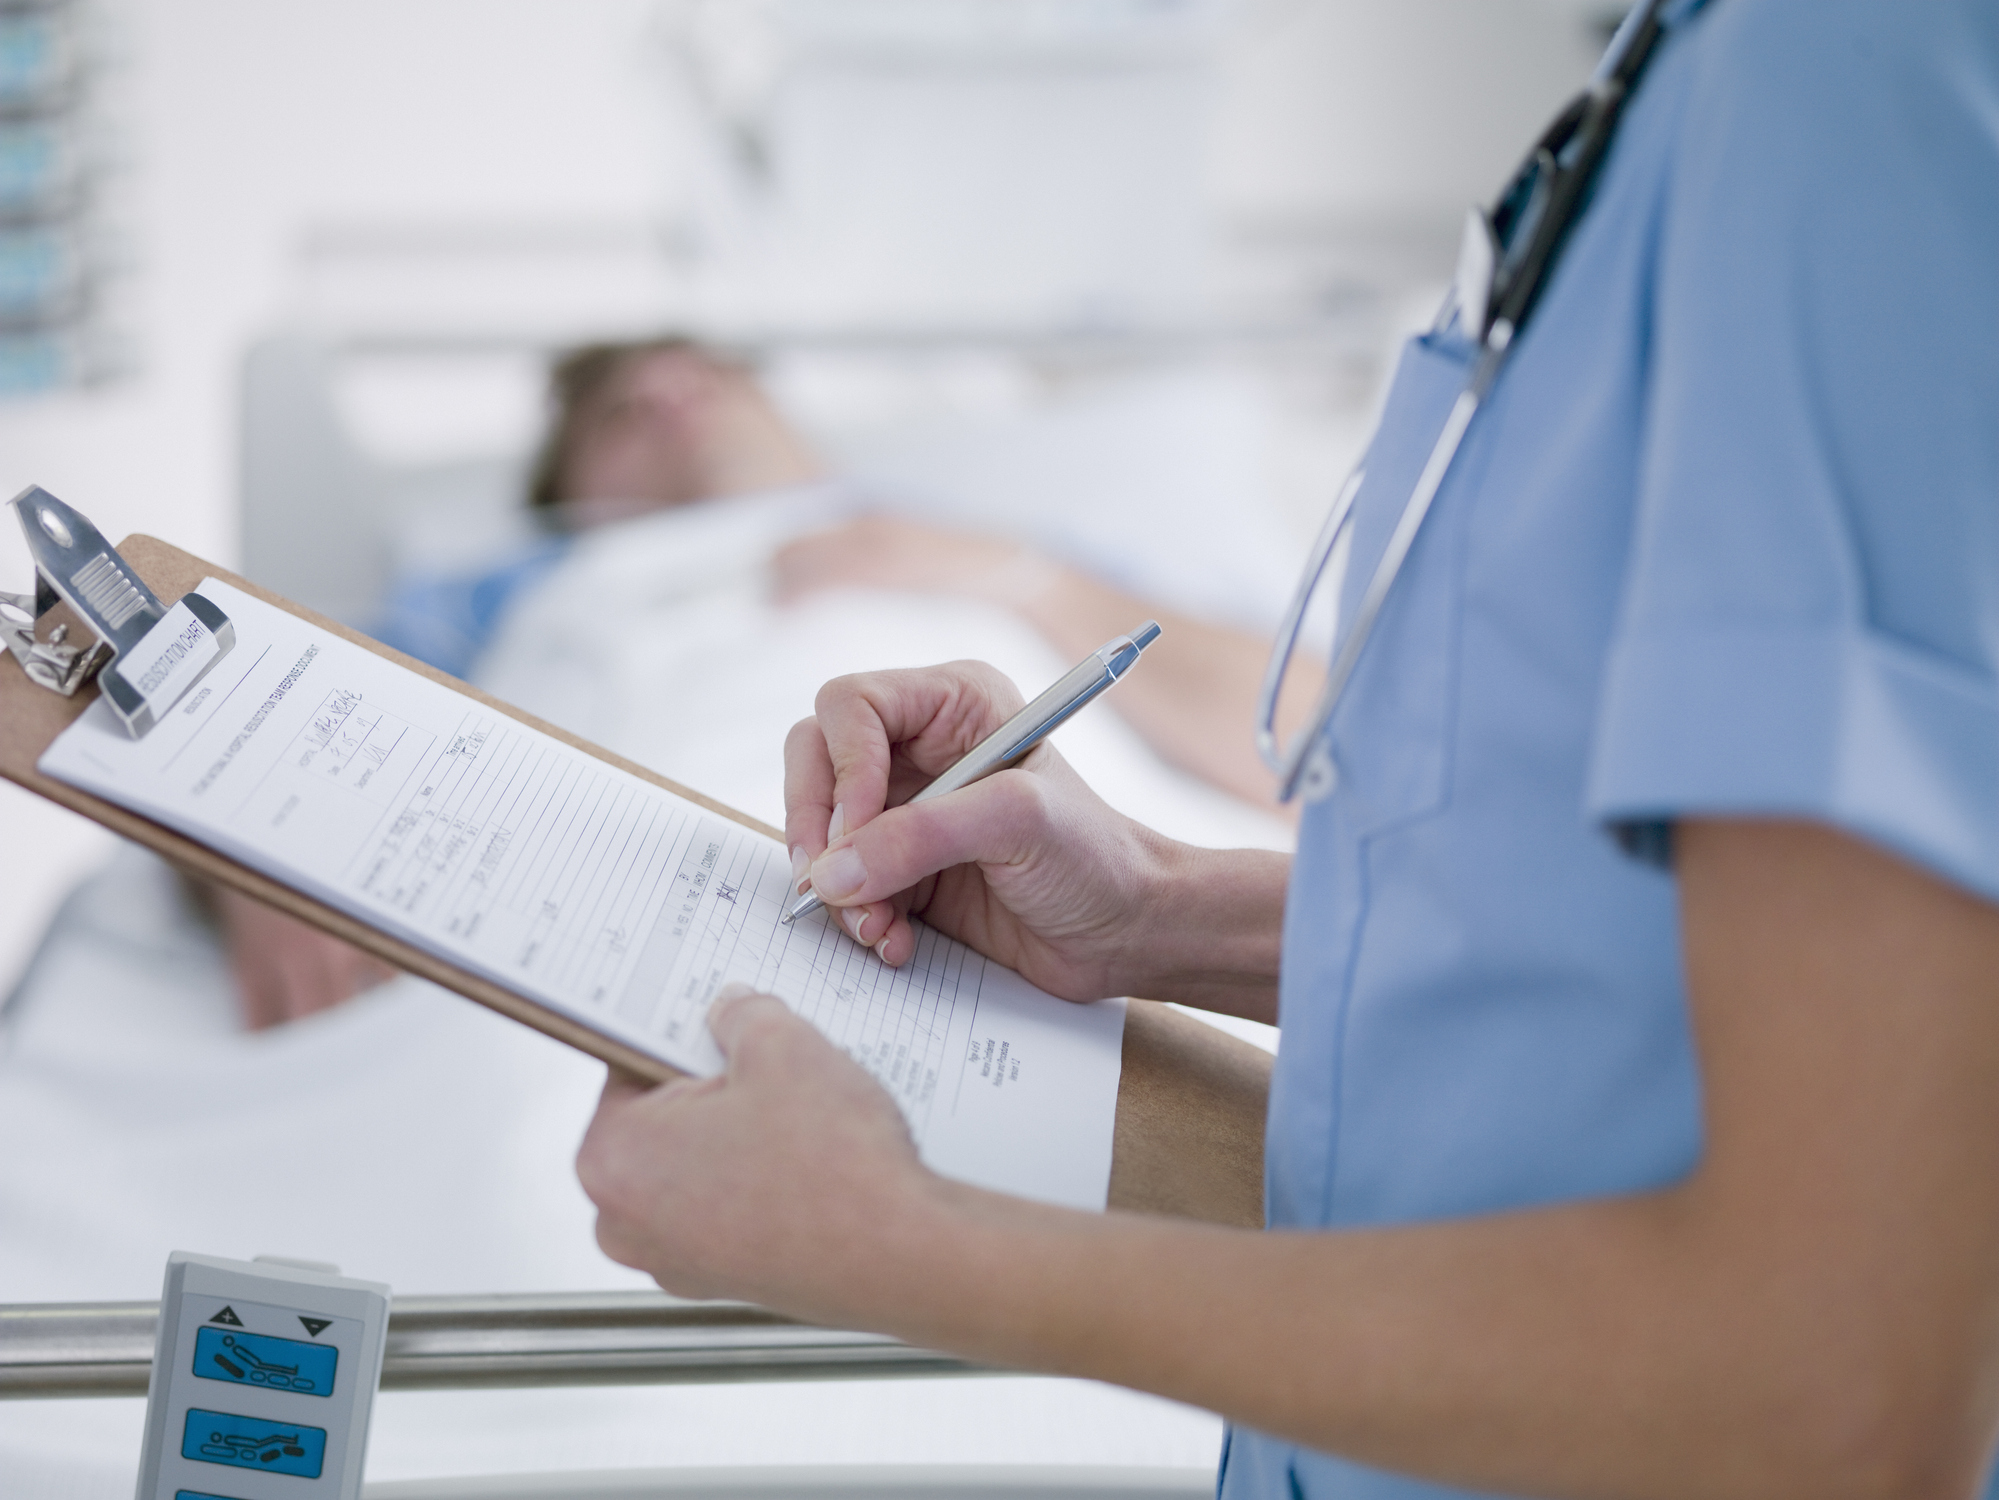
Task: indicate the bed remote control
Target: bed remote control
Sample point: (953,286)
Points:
(264,1373)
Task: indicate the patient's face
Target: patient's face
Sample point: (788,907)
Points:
(646,435)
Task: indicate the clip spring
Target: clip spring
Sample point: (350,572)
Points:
(53,663)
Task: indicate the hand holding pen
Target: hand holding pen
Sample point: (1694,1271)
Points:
(870,725)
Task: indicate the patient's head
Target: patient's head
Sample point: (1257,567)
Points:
(641,426)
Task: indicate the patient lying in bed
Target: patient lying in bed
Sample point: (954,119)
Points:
(648,427)
(705,574)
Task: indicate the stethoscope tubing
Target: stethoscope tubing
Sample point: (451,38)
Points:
(1555,201)
(1299,760)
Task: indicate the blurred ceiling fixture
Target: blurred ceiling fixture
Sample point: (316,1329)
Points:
(738,51)
(968,158)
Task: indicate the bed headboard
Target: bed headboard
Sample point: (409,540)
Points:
(321,516)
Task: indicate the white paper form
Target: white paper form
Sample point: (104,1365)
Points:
(598,894)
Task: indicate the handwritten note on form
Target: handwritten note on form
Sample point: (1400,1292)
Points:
(570,881)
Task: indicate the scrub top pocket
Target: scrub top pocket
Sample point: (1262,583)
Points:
(1390,736)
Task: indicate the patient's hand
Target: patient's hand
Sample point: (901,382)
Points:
(285,969)
(885,552)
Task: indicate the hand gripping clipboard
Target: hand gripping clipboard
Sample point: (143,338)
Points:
(35,709)
(1190,1103)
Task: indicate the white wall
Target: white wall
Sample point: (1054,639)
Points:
(1351,109)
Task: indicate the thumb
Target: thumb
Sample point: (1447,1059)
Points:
(1003,819)
(739,1016)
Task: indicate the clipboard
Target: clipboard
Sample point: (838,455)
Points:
(1189,1131)
(31,717)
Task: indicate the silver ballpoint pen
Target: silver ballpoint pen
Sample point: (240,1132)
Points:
(1028,728)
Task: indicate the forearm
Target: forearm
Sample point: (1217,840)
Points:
(1808,1313)
(1602,1349)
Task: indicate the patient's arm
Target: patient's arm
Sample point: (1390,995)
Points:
(284,969)
(1195,701)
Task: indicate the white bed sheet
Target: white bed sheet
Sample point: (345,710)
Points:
(417,1139)
(658,639)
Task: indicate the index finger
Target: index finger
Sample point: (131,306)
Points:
(930,716)
(808,791)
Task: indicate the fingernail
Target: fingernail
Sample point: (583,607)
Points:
(837,824)
(838,873)
(735,989)
(855,920)
(801,864)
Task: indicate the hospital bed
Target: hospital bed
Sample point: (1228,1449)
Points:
(421,1141)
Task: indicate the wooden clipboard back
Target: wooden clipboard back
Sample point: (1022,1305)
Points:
(31,717)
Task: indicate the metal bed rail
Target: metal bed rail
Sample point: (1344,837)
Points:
(442,1343)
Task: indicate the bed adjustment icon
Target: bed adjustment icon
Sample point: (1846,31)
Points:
(258,1359)
(218,1437)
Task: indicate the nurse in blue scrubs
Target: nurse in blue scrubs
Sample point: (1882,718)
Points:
(1635,1127)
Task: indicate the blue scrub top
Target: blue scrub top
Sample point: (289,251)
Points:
(1724,540)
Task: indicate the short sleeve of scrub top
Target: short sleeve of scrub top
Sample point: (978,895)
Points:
(1723,540)
(1810,623)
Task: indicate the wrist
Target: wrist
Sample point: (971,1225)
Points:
(899,1267)
(959,1273)
(1003,1281)
(1212,929)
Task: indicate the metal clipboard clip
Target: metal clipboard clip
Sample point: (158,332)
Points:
(145,657)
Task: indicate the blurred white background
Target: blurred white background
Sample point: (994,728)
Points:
(539,169)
